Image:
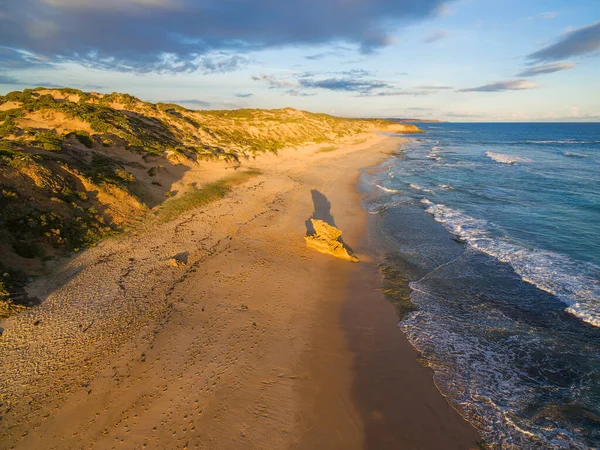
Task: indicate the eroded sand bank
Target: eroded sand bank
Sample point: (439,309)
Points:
(257,342)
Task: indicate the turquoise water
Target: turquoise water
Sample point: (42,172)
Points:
(498,226)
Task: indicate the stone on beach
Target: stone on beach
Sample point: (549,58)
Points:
(326,239)
(178,260)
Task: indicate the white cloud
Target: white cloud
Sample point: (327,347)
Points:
(547,15)
(499,86)
(547,68)
(435,35)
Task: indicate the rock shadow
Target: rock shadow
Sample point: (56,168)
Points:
(321,211)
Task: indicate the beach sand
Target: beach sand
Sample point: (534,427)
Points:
(256,341)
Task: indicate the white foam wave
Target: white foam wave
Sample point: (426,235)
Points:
(575,283)
(391,191)
(563,141)
(574,155)
(481,376)
(416,187)
(506,159)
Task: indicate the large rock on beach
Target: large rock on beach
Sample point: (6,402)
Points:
(327,239)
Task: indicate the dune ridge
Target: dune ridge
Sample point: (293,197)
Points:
(77,167)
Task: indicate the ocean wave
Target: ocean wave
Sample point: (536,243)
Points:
(416,187)
(574,155)
(485,377)
(563,141)
(575,283)
(388,190)
(506,159)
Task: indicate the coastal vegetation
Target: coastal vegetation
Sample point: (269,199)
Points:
(78,166)
(198,197)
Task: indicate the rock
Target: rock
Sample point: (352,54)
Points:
(326,239)
(177,261)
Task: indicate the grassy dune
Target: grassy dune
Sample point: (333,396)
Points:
(77,166)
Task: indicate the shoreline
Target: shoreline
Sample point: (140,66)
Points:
(255,339)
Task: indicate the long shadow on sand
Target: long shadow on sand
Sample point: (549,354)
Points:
(321,211)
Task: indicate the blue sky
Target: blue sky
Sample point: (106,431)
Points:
(465,60)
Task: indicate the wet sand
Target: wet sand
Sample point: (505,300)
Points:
(257,342)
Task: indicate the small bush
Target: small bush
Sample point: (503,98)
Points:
(50,140)
(128,177)
(83,137)
(28,250)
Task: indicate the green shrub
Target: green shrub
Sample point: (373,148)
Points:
(27,250)
(83,137)
(50,140)
(7,128)
(125,176)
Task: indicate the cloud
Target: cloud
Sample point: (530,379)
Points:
(147,35)
(435,87)
(509,85)
(243,95)
(192,101)
(91,86)
(548,68)
(344,81)
(337,51)
(577,42)
(547,15)
(298,93)
(273,82)
(344,84)
(357,73)
(167,63)
(435,35)
(6,79)
(112,5)
(46,84)
(463,115)
(19,59)
(321,55)
(443,11)
(396,93)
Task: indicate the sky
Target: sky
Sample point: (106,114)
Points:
(461,61)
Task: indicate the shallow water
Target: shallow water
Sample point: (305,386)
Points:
(497,226)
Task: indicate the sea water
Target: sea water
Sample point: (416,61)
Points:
(498,227)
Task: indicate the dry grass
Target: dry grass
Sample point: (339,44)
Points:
(199,197)
(328,149)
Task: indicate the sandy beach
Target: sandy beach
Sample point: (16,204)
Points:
(254,341)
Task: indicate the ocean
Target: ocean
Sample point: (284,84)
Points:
(497,226)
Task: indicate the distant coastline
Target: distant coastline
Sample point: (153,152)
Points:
(403,120)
